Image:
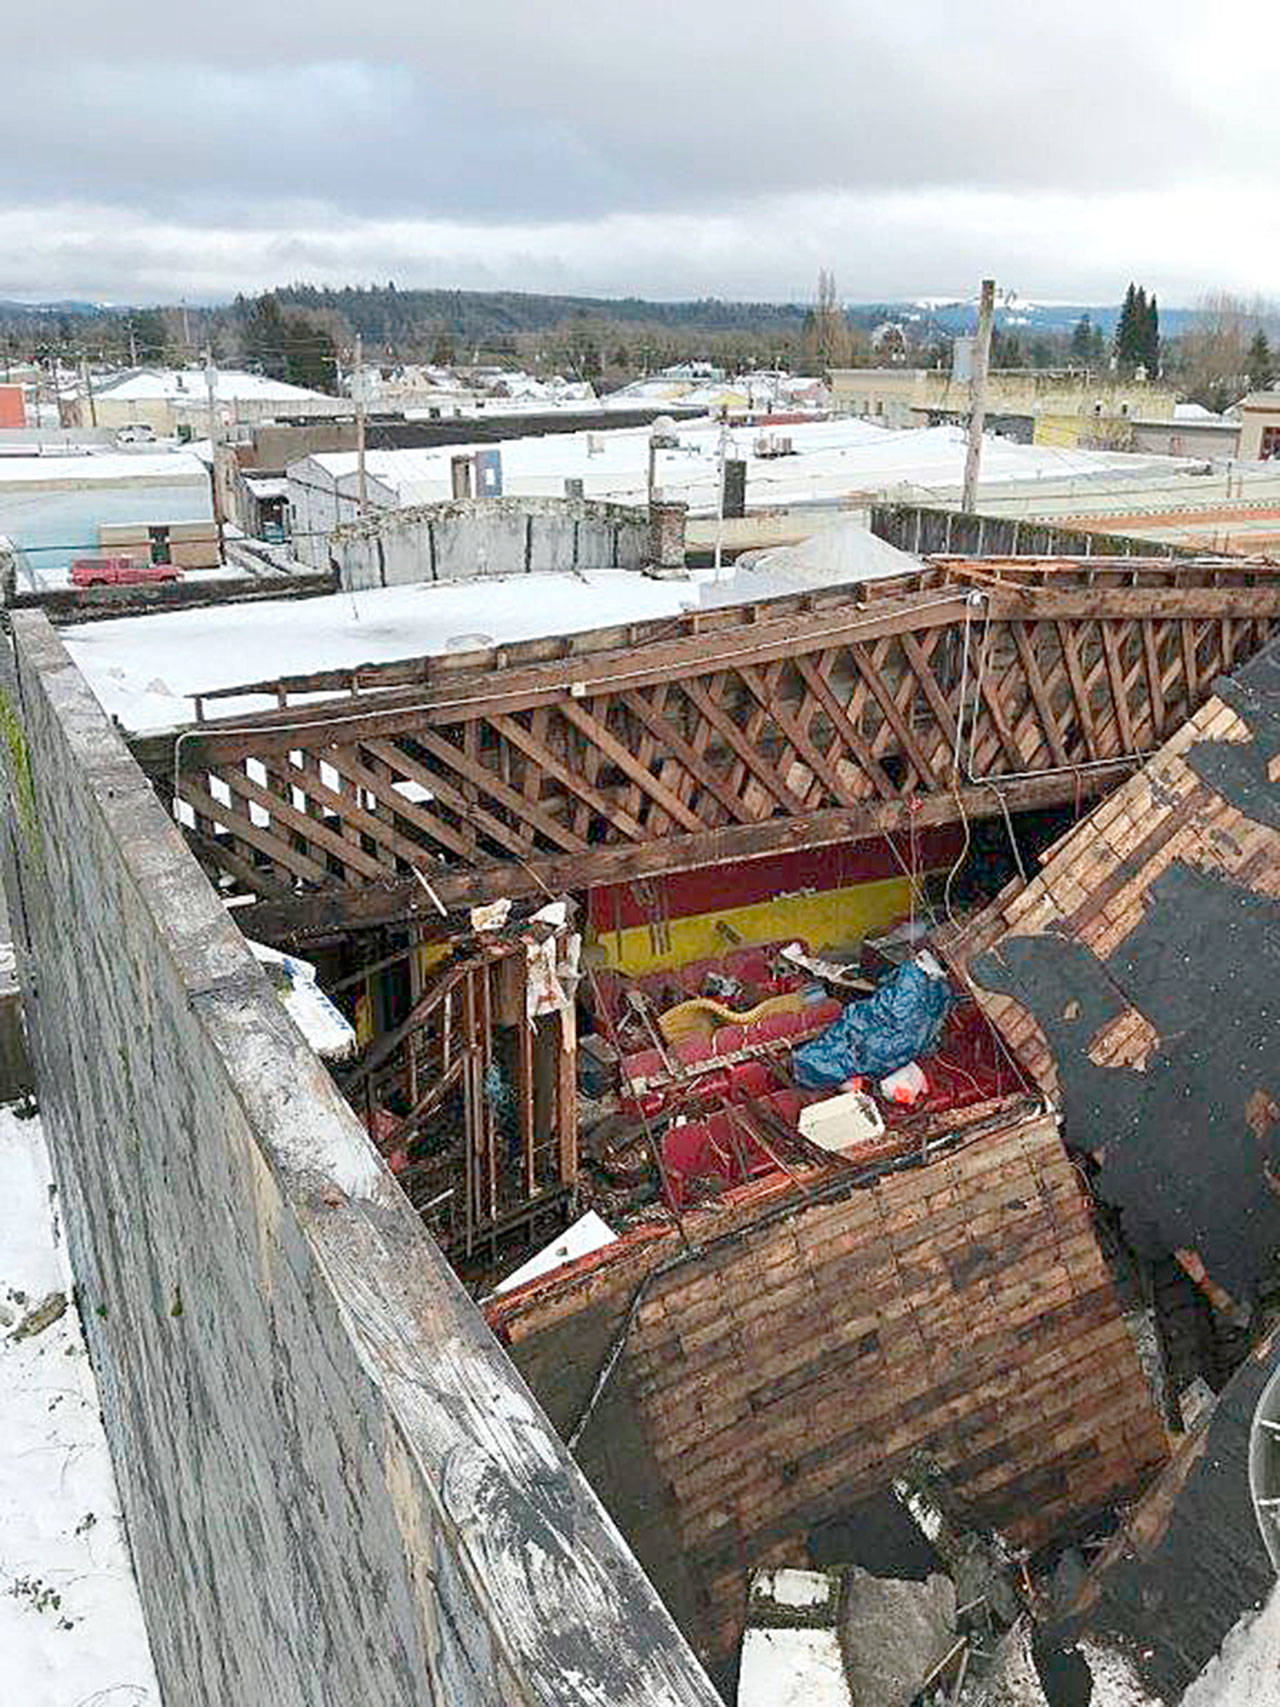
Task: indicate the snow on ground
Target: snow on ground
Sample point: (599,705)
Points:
(1246,1672)
(71,1630)
(792,1668)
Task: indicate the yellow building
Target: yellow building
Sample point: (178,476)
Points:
(1078,405)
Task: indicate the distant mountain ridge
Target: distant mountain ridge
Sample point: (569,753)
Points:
(388,316)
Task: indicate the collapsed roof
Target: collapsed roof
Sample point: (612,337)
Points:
(1135,978)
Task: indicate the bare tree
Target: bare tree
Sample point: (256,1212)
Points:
(826,342)
(1213,355)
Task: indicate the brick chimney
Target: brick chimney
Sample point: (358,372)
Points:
(666,536)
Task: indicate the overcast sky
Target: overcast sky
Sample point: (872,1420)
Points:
(667,148)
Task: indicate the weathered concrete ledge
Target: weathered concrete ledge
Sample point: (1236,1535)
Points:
(337,1488)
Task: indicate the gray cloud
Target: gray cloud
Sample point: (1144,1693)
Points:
(518,133)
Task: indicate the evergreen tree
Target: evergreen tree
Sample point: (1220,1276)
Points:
(1137,342)
(1151,340)
(264,338)
(1123,346)
(1084,338)
(310,356)
(1258,363)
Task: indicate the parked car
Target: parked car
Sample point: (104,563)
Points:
(119,572)
(136,433)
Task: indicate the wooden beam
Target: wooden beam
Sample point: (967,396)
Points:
(697,764)
(608,743)
(402,902)
(1079,692)
(806,749)
(870,674)
(753,763)
(501,692)
(522,807)
(1155,682)
(1119,694)
(512,730)
(1039,692)
(858,749)
(449,793)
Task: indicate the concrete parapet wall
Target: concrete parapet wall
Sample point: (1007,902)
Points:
(469,538)
(925,529)
(337,1489)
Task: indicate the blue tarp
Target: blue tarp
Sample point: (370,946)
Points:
(899,1023)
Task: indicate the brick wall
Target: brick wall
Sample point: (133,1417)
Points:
(954,1324)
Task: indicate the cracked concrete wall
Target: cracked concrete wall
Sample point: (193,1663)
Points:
(470,539)
(337,1489)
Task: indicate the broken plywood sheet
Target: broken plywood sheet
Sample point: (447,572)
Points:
(895,1634)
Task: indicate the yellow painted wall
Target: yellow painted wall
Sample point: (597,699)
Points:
(834,919)
(1058,429)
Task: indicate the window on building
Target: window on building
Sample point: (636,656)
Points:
(1270,443)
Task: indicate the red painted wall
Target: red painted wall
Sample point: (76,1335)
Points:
(12,409)
(715,888)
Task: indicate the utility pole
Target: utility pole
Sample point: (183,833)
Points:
(211,386)
(721,459)
(357,384)
(133,344)
(978,394)
(87,382)
(186,331)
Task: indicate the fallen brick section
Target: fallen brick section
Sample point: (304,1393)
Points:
(955,1322)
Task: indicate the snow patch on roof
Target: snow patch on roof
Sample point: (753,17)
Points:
(189,385)
(792,1668)
(105,466)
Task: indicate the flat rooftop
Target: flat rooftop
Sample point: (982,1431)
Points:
(831,460)
(147,670)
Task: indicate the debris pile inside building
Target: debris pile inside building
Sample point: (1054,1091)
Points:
(835,1041)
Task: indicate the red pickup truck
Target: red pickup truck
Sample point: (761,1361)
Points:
(119,572)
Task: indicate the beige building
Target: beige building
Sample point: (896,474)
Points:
(1065,408)
(1259,426)
(174,402)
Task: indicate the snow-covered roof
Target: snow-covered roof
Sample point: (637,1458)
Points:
(833,460)
(146,670)
(184,385)
(81,467)
(267,485)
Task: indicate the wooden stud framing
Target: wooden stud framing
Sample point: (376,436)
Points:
(750,732)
